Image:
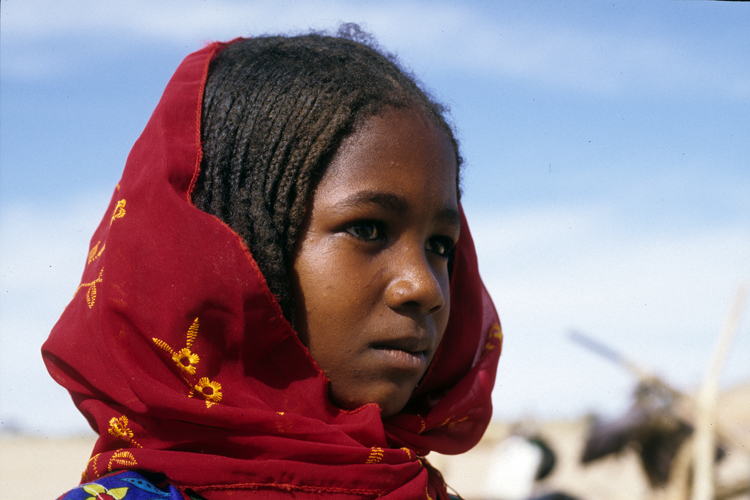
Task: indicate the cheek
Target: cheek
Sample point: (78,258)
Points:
(328,293)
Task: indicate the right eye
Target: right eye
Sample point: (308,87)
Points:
(441,246)
(364,230)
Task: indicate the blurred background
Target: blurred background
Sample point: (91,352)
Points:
(606,180)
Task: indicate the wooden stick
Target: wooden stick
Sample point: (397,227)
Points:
(609,353)
(704,438)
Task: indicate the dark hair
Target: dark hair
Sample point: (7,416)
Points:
(275,110)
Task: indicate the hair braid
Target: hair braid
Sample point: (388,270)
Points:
(275,110)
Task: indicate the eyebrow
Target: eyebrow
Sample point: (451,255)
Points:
(396,204)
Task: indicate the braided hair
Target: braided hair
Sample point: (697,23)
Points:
(275,110)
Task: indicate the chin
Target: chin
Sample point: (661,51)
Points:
(394,404)
(390,404)
(389,412)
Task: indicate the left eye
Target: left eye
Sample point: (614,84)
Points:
(441,246)
(364,230)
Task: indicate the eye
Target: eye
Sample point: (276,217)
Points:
(365,230)
(441,245)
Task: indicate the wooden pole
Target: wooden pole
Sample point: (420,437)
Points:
(704,438)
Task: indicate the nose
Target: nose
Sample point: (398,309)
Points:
(416,285)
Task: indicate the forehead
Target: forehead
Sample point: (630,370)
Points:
(399,151)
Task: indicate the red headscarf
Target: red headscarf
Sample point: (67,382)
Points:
(180,358)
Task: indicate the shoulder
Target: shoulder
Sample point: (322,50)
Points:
(127,485)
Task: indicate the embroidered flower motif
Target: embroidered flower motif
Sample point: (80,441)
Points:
(95,252)
(118,427)
(90,464)
(119,211)
(210,390)
(376,456)
(91,289)
(121,457)
(186,360)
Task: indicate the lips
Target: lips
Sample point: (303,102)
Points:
(411,343)
(402,360)
(407,353)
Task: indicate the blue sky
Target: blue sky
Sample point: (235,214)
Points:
(607,176)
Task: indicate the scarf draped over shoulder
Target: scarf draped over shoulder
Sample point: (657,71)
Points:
(179,356)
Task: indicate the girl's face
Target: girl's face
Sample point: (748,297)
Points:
(370,273)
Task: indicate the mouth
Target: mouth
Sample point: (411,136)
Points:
(403,360)
(407,354)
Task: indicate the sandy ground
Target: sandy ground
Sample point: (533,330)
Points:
(59,461)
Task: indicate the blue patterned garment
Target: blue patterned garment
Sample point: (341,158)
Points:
(125,485)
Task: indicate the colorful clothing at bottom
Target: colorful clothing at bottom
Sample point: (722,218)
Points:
(130,485)
(126,485)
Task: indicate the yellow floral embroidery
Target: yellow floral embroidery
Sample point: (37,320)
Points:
(91,292)
(119,211)
(192,332)
(122,457)
(84,476)
(210,390)
(408,452)
(95,252)
(376,455)
(495,333)
(427,492)
(118,427)
(184,358)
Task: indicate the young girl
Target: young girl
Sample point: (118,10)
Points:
(282,299)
